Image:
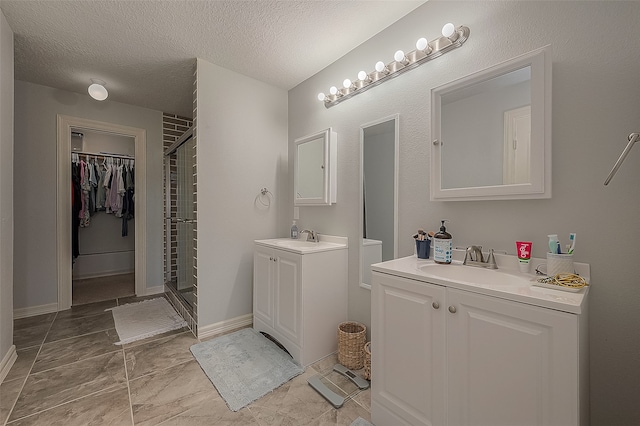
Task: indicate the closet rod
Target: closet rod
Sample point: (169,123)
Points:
(97,154)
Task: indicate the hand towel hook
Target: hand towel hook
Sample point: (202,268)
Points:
(633,138)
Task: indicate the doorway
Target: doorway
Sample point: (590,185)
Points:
(103,219)
(67,124)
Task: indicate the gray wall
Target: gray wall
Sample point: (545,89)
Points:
(596,105)
(241,148)
(6,188)
(36,108)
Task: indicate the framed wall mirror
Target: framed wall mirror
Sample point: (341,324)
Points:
(315,169)
(379,145)
(491,132)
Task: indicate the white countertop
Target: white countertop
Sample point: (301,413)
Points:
(522,290)
(301,246)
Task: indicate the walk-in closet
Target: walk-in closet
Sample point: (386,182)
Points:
(103,216)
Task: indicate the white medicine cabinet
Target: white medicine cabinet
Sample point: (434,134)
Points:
(491,132)
(315,168)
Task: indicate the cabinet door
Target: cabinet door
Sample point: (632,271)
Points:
(408,350)
(510,363)
(288,296)
(263,267)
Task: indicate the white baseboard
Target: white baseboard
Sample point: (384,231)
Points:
(32,311)
(153,290)
(7,362)
(101,274)
(224,326)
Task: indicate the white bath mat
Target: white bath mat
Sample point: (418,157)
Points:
(136,321)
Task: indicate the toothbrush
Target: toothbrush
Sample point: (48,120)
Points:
(572,238)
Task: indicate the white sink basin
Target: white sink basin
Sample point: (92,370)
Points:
(327,242)
(476,276)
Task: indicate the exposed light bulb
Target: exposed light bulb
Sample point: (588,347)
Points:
(448,30)
(333,90)
(380,66)
(422,44)
(363,76)
(321,96)
(398,56)
(97,90)
(346,83)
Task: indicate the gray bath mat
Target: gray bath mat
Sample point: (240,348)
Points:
(244,366)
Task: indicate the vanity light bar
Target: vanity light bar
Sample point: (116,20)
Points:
(425,51)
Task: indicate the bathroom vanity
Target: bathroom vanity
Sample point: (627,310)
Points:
(458,345)
(300,293)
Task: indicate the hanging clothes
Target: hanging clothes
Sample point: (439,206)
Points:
(76,206)
(107,186)
(85,185)
(127,202)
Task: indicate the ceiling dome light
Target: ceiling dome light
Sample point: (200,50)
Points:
(97,90)
(448,30)
(422,43)
(321,96)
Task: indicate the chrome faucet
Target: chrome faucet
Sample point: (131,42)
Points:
(311,235)
(473,257)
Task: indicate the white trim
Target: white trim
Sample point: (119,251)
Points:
(149,291)
(7,362)
(109,273)
(32,311)
(225,326)
(63,231)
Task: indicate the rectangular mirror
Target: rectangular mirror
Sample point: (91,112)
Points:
(379,145)
(315,170)
(491,132)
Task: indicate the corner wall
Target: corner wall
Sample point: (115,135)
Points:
(35,252)
(241,126)
(6,194)
(595,107)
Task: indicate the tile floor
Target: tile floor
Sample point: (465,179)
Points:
(90,290)
(69,372)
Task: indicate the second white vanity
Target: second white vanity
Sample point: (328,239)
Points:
(300,293)
(458,345)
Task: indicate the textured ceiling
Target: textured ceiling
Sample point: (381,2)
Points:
(145,50)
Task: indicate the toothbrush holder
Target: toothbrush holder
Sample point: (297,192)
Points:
(559,264)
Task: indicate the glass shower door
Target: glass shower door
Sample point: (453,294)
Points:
(181,223)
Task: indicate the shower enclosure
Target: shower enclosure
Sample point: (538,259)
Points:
(180,225)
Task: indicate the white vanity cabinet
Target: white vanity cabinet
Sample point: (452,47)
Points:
(449,356)
(300,295)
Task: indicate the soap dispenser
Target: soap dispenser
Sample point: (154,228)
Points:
(294,231)
(442,246)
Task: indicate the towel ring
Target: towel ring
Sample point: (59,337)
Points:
(265,193)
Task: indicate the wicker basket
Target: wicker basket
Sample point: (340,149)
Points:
(367,361)
(351,339)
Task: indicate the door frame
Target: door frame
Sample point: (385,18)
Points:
(63,207)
